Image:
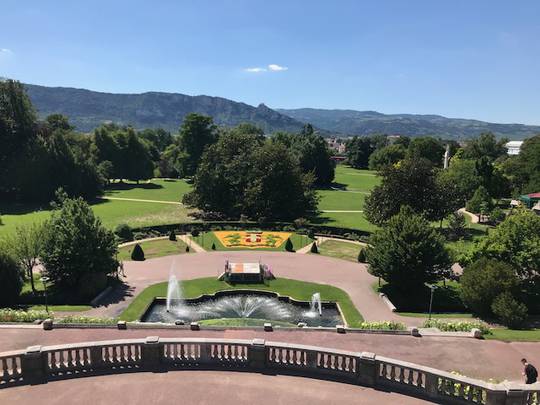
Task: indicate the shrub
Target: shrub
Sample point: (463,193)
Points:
(213,246)
(480,201)
(311,234)
(456,225)
(195,233)
(289,246)
(187,249)
(124,232)
(510,312)
(458,326)
(381,325)
(314,248)
(362,256)
(497,215)
(10,280)
(86,319)
(19,315)
(172,236)
(484,280)
(137,253)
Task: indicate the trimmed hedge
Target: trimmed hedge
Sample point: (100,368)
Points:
(196,227)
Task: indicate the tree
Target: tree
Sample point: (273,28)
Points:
(516,241)
(358,150)
(10,280)
(196,133)
(313,248)
(457,225)
(172,236)
(389,155)
(124,232)
(510,311)
(78,252)
(483,281)
(58,122)
(462,173)
(25,246)
(412,183)
(481,200)
(524,169)
(362,256)
(243,174)
(486,145)
(426,148)
(137,254)
(277,188)
(407,252)
(213,246)
(312,153)
(289,246)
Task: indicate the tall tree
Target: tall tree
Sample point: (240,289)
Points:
(407,252)
(426,148)
(196,133)
(358,150)
(412,183)
(386,156)
(78,252)
(486,145)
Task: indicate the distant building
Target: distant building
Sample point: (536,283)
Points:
(530,200)
(392,139)
(337,145)
(513,147)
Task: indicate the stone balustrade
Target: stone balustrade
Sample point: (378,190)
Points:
(39,364)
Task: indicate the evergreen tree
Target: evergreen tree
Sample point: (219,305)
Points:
(289,246)
(10,280)
(138,253)
(314,248)
(407,252)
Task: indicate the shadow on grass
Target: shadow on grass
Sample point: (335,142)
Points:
(22,208)
(445,299)
(130,186)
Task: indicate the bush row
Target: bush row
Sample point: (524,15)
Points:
(87,319)
(182,228)
(381,325)
(19,315)
(457,326)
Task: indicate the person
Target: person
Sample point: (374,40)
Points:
(529,372)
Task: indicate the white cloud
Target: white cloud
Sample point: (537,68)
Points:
(6,51)
(277,68)
(255,70)
(270,68)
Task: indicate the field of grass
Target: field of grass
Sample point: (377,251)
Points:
(155,189)
(513,335)
(340,250)
(154,248)
(114,212)
(206,239)
(298,290)
(436,314)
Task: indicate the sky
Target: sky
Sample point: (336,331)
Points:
(461,58)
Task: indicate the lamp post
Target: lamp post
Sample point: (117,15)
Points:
(432,288)
(44,281)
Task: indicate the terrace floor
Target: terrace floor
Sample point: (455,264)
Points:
(482,359)
(199,387)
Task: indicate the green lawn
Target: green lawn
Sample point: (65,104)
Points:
(340,250)
(512,335)
(298,290)
(206,239)
(111,212)
(61,308)
(436,314)
(155,189)
(154,248)
(354,179)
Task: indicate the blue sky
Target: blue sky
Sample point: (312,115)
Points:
(460,58)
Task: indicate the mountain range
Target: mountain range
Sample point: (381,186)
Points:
(88,109)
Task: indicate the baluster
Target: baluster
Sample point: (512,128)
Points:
(77,357)
(5,372)
(401,374)
(392,372)
(410,377)
(69,361)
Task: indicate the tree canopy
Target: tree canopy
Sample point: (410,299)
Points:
(407,252)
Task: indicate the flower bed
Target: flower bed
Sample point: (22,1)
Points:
(459,326)
(86,319)
(19,315)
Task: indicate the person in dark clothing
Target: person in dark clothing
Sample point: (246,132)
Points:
(529,372)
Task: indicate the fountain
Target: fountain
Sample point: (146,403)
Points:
(316,303)
(174,295)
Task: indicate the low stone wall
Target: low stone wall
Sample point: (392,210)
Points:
(39,364)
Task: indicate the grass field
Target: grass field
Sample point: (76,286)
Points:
(298,290)
(154,248)
(206,239)
(513,335)
(114,212)
(340,250)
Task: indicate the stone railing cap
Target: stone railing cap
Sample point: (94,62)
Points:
(152,339)
(258,342)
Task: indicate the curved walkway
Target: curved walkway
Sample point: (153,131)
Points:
(349,276)
(199,387)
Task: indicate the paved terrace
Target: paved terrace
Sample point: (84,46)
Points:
(199,387)
(349,276)
(471,357)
